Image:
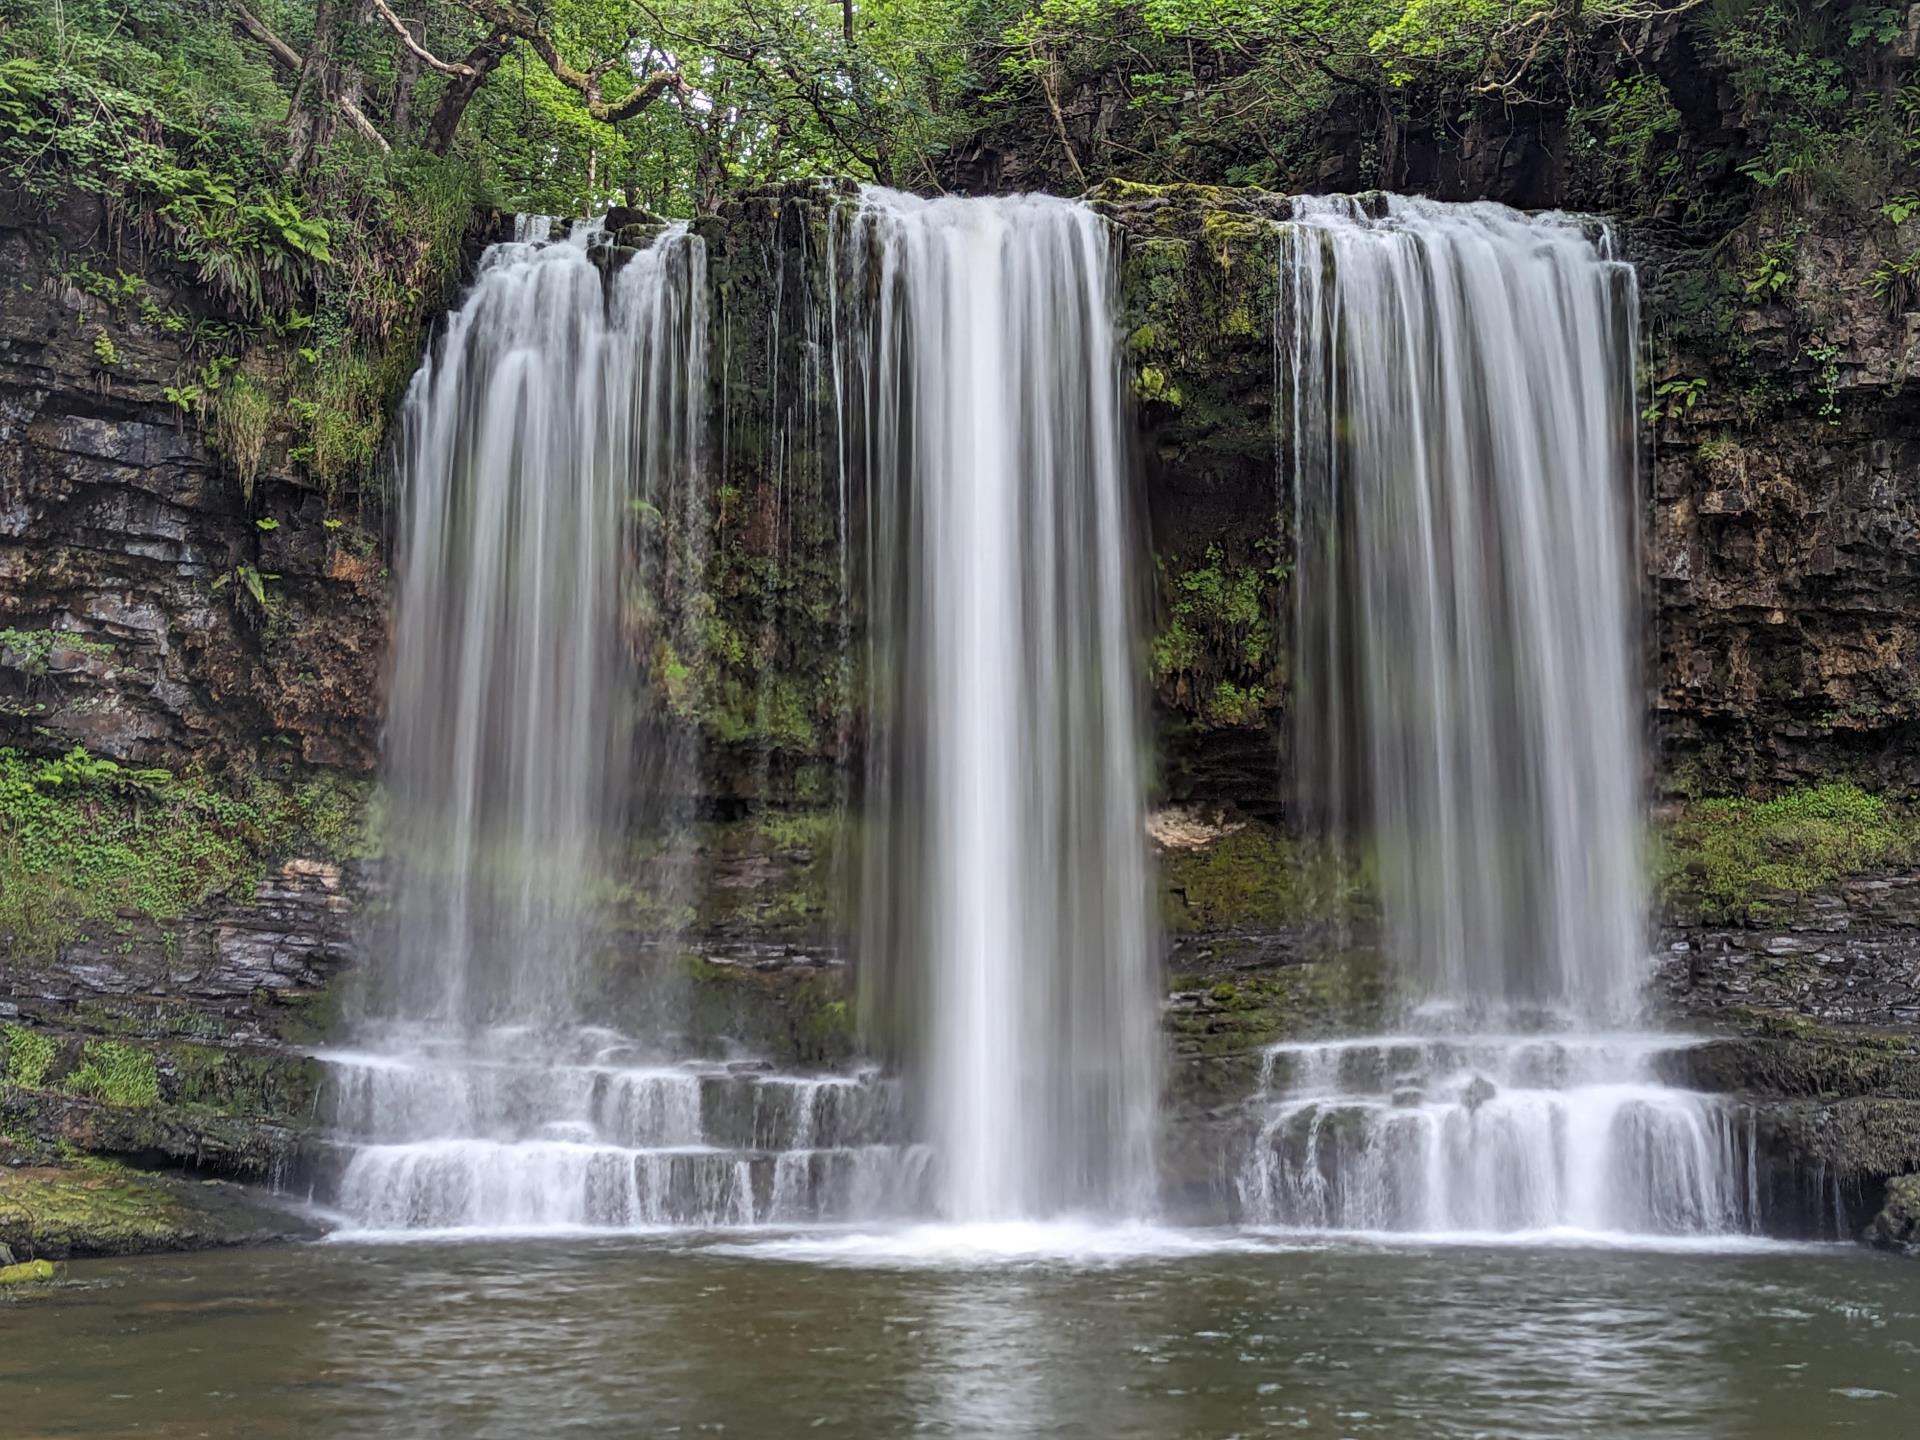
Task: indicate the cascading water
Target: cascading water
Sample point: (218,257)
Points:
(1008,943)
(1458,387)
(551,442)
(549,406)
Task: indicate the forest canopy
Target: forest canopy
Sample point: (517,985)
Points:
(567,105)
(311,169)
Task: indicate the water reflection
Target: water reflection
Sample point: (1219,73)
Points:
(619,1340)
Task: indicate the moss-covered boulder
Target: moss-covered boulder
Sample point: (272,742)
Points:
(1897,1226)
(95,1207)
(33,1272)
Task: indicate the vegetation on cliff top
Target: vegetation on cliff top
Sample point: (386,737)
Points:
(308,168)
(1243,90)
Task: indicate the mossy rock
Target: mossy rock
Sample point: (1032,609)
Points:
(200,1136)
(1741,859)
(1215,1016)
(33,1272)
(1251,875)
(793,1013)
(97,1207)
(1897,1226)
(1793,1057)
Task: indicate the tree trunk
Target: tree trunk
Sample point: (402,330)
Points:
(351,83)
(709,176)
(482,60)
(310,113)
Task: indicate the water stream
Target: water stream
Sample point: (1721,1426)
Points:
(554,432)
(552,465)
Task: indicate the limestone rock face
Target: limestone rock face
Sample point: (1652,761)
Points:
(127,629)
(1783,558)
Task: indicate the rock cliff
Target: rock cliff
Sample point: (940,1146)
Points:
(219,639)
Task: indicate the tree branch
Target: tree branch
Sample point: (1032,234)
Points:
(1044,72)
(289,60)
(584,83)
(419,52)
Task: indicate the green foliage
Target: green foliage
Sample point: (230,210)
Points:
(1629,140)
(1232,704)
(241,410)
(83,838)
(179,127)
(1673,398)
(30,1056)
(1826,356)
(1897,282)
(775,92)
(116,1073)
(1771,270)
(1794,88)
(248,584)
(30,651)
(1218,640)
(1733,859)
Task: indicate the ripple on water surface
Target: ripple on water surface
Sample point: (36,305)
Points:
(1126,1333)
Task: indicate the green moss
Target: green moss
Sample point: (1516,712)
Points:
(242,1082)
(1151,384)
(1732,859)
(815,831)
(83,840)
(33,1272)
(1255,877)
(826,1032)
(95,1206)
(1215,1017)
(116,1073)
(30,1056)
(778,873)
(785,717)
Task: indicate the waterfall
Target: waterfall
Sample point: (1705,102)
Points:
(1457,394)
(1007,949)
(552,511)
(1464,447)
(552,416)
